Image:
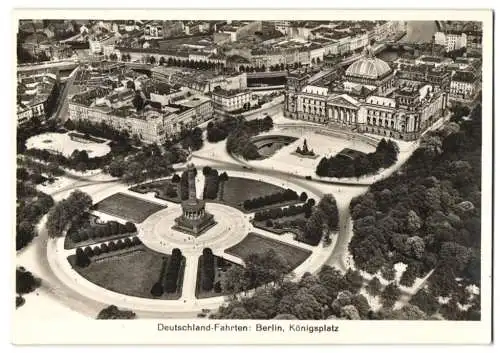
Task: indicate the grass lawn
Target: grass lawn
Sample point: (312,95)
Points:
(127,207)
(159,188)
(133,272)
(256,243)
(237,190)
(219,275)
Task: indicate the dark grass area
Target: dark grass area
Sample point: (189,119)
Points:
(237,190)
(256,243)
(131,272)
(219,275)
(159,188)
(127,207)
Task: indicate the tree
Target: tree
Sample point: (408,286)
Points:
(306,306)
(426,301)
(234,280)
(113,313)
(349,312)
(66,211)
(414,222)
(360,302)
(285,317)
(415,246)
(263,268)
(208,271)
(374,286)
(408,312)
(328,206)
(353,280)
(157,290)
(303,197)
(82,259)
(238,313)
(390,295)
(25,281)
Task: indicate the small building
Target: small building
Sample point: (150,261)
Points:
(451,40)
(464,86)
(232,100)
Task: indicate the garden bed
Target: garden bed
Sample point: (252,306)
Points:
(256,243)
(127,207)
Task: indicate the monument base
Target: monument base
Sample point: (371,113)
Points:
(194,227)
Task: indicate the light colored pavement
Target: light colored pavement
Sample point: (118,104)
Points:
(189,282)
(156,231)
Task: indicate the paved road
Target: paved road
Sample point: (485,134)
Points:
(62,104)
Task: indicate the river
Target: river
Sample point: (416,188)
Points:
(416,32)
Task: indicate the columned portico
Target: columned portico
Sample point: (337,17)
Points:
(342,115)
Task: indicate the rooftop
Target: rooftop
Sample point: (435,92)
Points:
(35,89)
(464,76)
(228,93)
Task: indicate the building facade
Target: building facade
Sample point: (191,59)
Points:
(231,100)
(464,86)
(36,97)
(371,99)
(451,40)
(153,124)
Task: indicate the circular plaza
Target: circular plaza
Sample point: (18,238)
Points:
(124,270)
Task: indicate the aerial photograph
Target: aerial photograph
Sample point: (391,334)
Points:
(248,169)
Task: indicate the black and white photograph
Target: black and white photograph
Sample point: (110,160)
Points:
(238,174)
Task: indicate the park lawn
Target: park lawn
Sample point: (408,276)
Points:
(237,190)
(132,272)
(256,243)
(127,207)
(219,275)
(159,188)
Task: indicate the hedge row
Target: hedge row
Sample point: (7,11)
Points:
(83,255)
(172,273)
(278,197)
(279,212)
(207,270)
(101,231)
